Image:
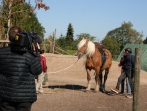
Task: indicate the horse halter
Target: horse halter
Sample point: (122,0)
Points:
(82,50)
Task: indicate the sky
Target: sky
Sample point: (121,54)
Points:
(96,17)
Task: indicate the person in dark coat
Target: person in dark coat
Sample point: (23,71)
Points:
(17,82)
(128,64)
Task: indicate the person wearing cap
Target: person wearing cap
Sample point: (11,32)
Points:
(128,66)
(123,81)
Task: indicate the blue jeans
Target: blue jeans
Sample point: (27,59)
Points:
(121,80)
(128,86)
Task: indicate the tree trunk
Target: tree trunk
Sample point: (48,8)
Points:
(9,19)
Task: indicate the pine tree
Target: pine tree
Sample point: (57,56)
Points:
(69,36)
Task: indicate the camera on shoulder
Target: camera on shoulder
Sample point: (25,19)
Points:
(27,41)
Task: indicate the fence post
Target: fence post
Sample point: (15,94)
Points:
(136,94)
(54,37)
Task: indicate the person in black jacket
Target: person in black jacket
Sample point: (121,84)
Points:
(128,67)
(17,70)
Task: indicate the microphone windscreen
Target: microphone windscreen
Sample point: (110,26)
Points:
(38,39)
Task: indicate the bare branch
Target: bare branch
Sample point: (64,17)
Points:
(39,5)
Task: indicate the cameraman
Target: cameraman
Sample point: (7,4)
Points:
(17,70)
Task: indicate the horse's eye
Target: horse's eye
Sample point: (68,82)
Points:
(84,45)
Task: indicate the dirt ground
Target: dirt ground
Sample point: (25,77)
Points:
(67,81)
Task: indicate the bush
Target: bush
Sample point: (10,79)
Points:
(71,52)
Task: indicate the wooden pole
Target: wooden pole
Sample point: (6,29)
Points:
(54,37)
(136,79)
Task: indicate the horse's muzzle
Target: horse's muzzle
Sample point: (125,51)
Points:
(79,55)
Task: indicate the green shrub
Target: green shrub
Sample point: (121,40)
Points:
(71,52)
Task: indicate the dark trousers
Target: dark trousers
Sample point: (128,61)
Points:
(128,73)
(15,106)
(122,86)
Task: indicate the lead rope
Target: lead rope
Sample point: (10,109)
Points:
(65,68)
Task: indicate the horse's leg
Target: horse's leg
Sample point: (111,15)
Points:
(100,81)
(97,79)
(105,78)
(88,79)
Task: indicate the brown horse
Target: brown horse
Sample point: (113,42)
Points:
(94,62)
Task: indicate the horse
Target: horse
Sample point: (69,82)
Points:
(93,52)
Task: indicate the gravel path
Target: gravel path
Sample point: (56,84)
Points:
(66,89)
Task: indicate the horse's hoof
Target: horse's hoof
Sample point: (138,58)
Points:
(88,89)
(102,90)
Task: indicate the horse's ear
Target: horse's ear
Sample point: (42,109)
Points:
(83,38)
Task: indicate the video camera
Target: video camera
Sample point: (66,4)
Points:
(27,41)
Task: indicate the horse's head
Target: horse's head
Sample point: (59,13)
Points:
(85,47)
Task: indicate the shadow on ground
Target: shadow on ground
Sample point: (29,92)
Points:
(110,93)
(78,87)
(68,86)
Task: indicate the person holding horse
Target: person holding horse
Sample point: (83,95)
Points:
(128,66)
(123,81)
(41,76)
(17,70)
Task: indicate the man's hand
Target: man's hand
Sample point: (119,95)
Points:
(38,46)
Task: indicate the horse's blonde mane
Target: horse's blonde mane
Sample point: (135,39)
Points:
(90,47)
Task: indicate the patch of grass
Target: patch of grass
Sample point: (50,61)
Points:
(71,52)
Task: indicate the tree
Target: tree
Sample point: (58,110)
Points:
(86,36)
(47,44)
(145,41)
(125,34)
(69,36)
(11,11)
(61,41)
(112,45)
